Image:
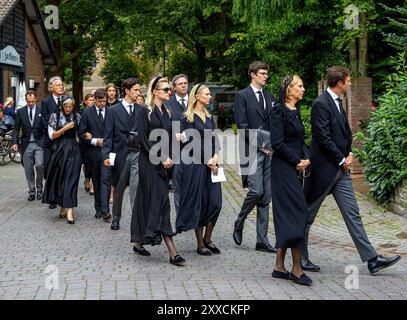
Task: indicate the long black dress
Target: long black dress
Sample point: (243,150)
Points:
(200,199)
(64,167)
(290,211)
(150,220)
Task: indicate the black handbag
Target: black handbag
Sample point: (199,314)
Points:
(132,141)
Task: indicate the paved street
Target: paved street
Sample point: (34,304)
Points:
(89,261)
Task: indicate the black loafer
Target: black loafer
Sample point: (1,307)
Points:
(203,252)
(107,217)
(303,279)
(142,251)
(214,249)
(39,195)
(52,206)
(98,215)
(177,260)
(280,275)
(115,225)
(307,265)
(238,234)
(31,197)
(265,247)
(382,262)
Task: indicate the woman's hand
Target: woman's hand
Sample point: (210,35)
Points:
(69,125)
(303,165)
(213,162)
(88,136)
(167,164)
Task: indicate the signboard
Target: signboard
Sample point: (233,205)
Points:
(10,56)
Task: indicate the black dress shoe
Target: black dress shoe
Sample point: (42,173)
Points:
(203,252)
(107,217)
(307,265)
(382,262)
(265,247)
(31,197)
(177,260)
(39,195)
(53,206)
(98,215)
(303,279)
(280,275)
(238,235)
(214,249)
(142,251)
(115,225)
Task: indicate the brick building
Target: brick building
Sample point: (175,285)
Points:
(25,47)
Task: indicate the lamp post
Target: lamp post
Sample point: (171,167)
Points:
(13,85)
(31,83)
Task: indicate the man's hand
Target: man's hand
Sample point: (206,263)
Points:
(106,163)
(99,141)
(14,147)
(167,163)
(348,162)
(88,136)
(303,165)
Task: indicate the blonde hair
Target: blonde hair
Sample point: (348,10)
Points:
(196,90)
(293,82)
(149,101)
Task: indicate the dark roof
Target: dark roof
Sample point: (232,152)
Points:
(34,16)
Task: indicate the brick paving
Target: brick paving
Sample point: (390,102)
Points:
(94,262)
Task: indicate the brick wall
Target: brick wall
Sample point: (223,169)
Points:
(34,63)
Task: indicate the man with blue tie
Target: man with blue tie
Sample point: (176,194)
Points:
(119,121)
(178,104)
(91,132)
(28,119)
(331,159)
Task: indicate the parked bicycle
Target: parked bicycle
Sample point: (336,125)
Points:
(7,154)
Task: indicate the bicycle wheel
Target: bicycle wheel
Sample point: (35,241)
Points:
(4,159)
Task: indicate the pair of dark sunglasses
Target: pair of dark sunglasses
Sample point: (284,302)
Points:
(166,90)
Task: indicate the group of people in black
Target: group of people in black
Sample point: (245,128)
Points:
(127,144)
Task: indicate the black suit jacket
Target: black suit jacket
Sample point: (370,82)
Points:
(177,111)
(250,115)
(91,123)
(118,123)
(48,107)
(22,122)
(331,142)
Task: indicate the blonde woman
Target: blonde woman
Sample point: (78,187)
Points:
(200,199)
(150,221)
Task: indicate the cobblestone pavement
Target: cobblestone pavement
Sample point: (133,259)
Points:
(94,262)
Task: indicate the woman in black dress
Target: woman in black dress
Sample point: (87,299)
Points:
(289,161)
(88,102)
(150,221)
(200,199)
(61,186)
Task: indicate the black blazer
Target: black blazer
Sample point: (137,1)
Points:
(118,123)
(48,107)
(91,123)
(331,142)
(177,111)
(22,122)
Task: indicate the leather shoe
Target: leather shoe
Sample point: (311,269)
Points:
(115,225)
(39,195)
(238,235)
(303,279)
(31,197)
(98,215)
(307,265)
(53,206)
(203,252)
(177,260)
(265,247)
(210,245)
(107,217)
(280,275)
(142,251)
(382,262)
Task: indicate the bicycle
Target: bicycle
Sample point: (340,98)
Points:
(7,154)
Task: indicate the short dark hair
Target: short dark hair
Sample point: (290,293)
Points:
(31,93)
(256,66)
(178,76)
(128,84)
(335,74)
(100,93)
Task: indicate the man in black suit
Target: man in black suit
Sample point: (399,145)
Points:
(120,120)
(177,105)
(331,158)
(91,132)
(252,109)
(28,119)
(49,106)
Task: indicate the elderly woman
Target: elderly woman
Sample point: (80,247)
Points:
(62,178)
(150,222)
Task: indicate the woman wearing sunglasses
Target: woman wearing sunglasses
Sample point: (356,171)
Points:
(150,222)
(290,159)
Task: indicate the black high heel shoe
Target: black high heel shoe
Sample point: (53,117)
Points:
(70,221)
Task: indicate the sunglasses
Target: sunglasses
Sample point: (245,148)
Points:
(167,89)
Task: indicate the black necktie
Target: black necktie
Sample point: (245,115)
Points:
(341,110)
(100,115)
(31,114)
(131,109)
(58,101)
(183,104)
(261,100)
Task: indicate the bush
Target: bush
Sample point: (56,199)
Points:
(384,151)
